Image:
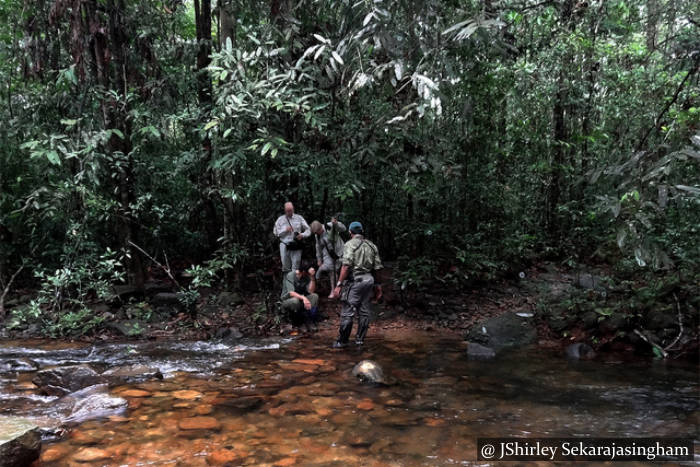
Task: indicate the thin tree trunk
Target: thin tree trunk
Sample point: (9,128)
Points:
(204,94)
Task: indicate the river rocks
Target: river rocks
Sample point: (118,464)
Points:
(20,442)
(506,330)
(221,457)
(20,365)
(130,373)
(136,393)
(54,453)
(199,423)
(96,406)
(580,351)
(64,380)
(369,372)
(479,352)
(227,333)
(91,455)
(365,404)
(186,394)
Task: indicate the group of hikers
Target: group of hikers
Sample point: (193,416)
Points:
(351,268)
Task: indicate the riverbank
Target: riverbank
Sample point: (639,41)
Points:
(556,305)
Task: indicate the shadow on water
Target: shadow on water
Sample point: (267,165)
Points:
(295,401)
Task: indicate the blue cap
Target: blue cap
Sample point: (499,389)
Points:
(355,227)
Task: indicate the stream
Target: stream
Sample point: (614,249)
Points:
(294,401)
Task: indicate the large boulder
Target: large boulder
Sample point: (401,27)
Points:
(66,379)
(368,371)
(506,330)
(20,442)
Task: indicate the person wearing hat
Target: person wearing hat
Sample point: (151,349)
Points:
(356,284)
(329,248)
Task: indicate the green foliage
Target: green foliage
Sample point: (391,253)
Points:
(61,306)
(468,138)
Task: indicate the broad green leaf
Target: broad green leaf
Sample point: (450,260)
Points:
(53,157)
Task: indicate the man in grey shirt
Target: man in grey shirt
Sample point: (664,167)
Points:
(290,227)
(329,248)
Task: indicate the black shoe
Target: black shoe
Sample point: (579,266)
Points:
(359,342)
(339,345)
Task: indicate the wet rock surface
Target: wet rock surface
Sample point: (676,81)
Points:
(369,371)
(64,380)
(20,442)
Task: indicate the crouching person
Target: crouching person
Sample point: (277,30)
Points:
(299,299)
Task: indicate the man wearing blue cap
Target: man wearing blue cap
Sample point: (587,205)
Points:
(356,284)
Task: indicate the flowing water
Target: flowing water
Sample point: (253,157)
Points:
(295,402)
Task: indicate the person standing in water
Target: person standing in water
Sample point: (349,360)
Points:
(355,285)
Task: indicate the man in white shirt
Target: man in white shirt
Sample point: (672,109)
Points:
(290,228)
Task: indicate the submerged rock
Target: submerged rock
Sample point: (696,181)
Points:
(479,351)
(64,380)
(20,442)
(199,423)
(368,371)
(580,351)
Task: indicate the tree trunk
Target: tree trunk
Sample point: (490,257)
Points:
(127,226)
(560,131)
(202,10)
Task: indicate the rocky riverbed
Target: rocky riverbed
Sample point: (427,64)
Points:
(295,401)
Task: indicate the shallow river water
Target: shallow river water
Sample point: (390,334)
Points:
(295,402)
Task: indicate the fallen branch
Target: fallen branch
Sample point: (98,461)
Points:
(164,268)
(680,324)
(656,346)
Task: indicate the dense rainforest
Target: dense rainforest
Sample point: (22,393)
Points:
(473,139)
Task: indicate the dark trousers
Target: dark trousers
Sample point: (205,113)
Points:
(356,296)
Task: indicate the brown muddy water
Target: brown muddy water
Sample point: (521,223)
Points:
(295,402)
